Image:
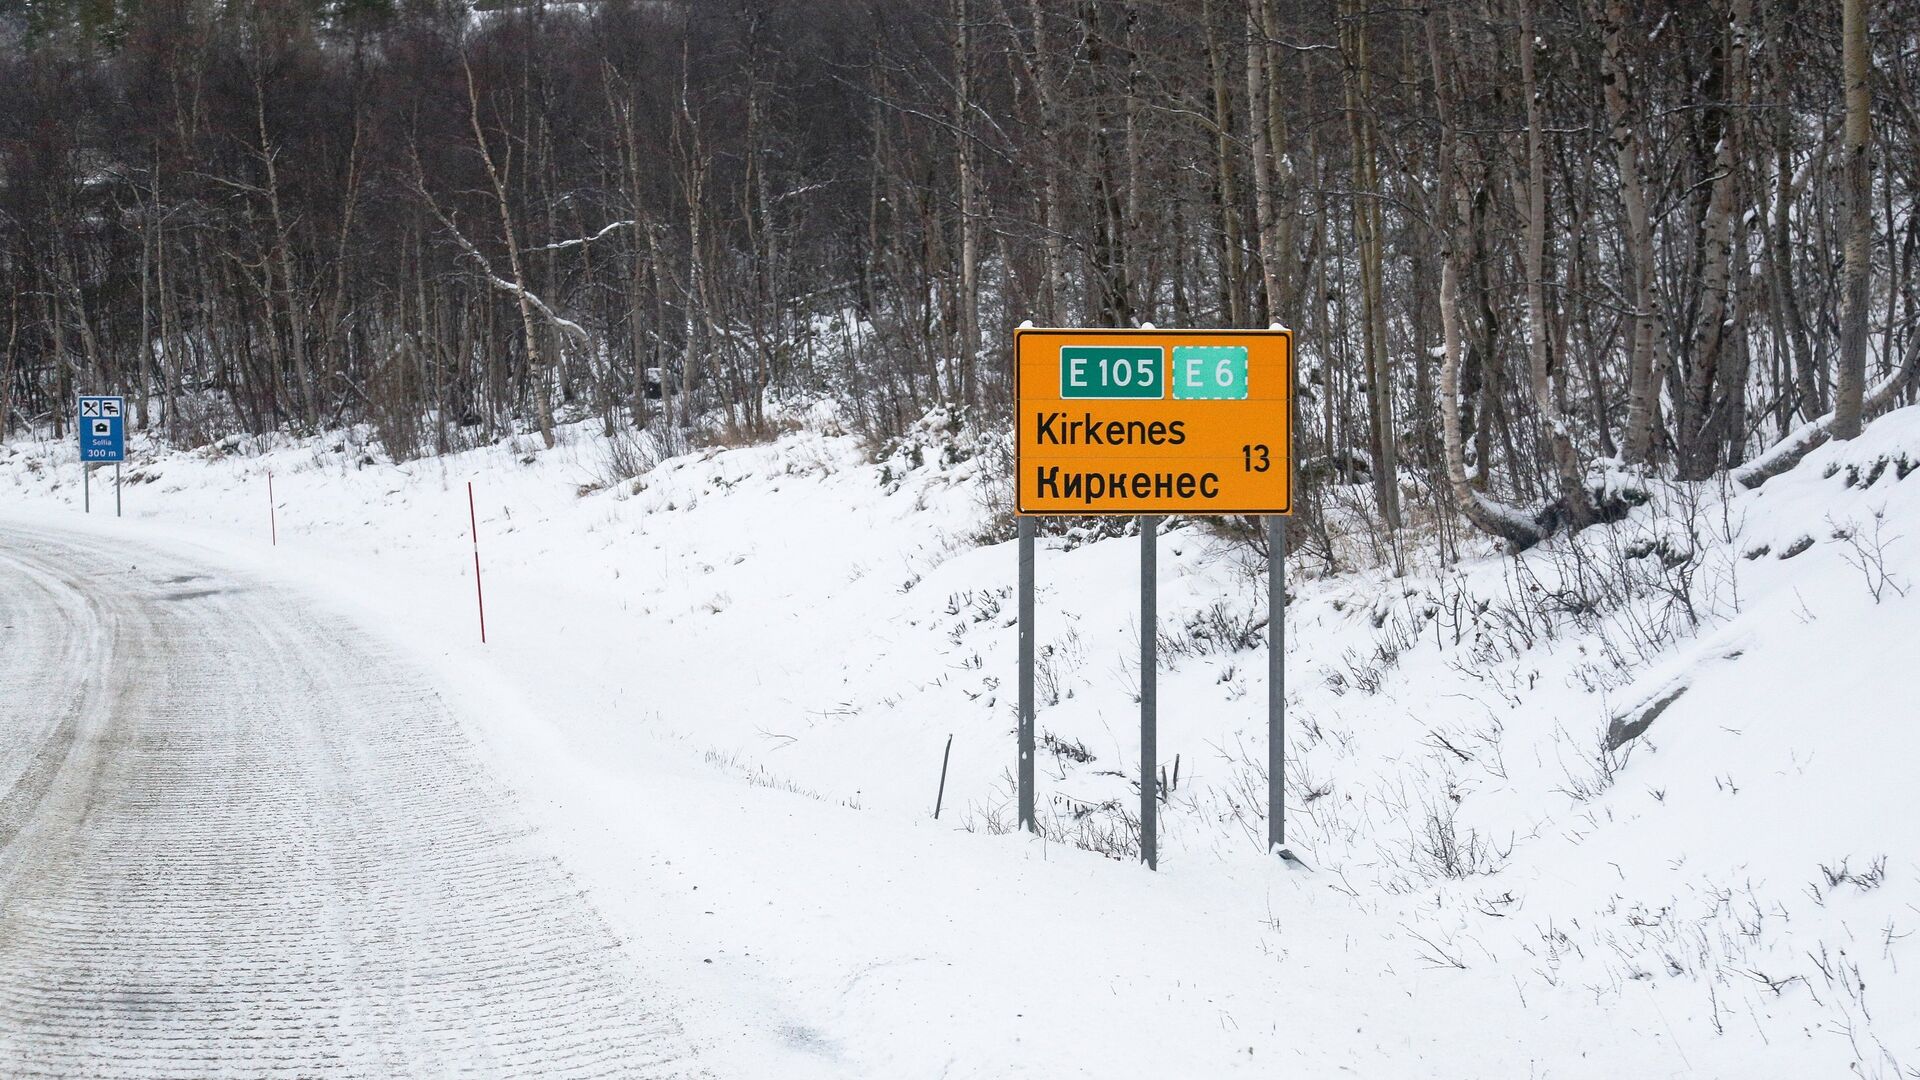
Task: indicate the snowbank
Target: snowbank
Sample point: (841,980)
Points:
(725,686)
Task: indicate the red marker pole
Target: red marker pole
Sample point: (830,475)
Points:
(273,516)
(473,522)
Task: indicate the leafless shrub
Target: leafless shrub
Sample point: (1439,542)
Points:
(1439,954)
(760,776)
(1363,672)
(1052,662)
(1105,827)
(629,454)
(1866,880)
(1866,551)
(1442,849)
(1594,771)
(1634,588)
(1220,627)
(1072,749)
(1242,799)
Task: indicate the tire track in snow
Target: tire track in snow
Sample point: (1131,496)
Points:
(237,841)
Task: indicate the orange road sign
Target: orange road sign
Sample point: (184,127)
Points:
(1153,421)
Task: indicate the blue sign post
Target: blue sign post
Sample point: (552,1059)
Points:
(103,438)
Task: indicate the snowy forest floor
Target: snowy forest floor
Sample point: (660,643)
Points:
(723,688)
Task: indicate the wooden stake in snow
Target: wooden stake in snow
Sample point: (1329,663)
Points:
(473,522)
(941,795)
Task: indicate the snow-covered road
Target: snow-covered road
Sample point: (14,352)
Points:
(238,840)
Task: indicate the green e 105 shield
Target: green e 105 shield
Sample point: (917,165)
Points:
(1112,371)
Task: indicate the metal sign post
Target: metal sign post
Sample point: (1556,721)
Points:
(1149,694)
(1276,684)
(1026,675)
(1151,422)
(103,438)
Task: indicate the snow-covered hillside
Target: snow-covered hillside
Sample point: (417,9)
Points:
(1635,802)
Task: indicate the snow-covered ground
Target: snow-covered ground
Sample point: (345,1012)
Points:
(723,688)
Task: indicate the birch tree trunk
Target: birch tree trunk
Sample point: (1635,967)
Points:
(1849,386)
(620,112)
(1133,251)
(542,376)
(1227,187)
(1053,202)
(969,302)
(1489,516)
(149,227)
(1553,418)
(1259,124)
(1649,357)
(6,366)
(693,182)
(1367,228)
(1705,388)
(283,254)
